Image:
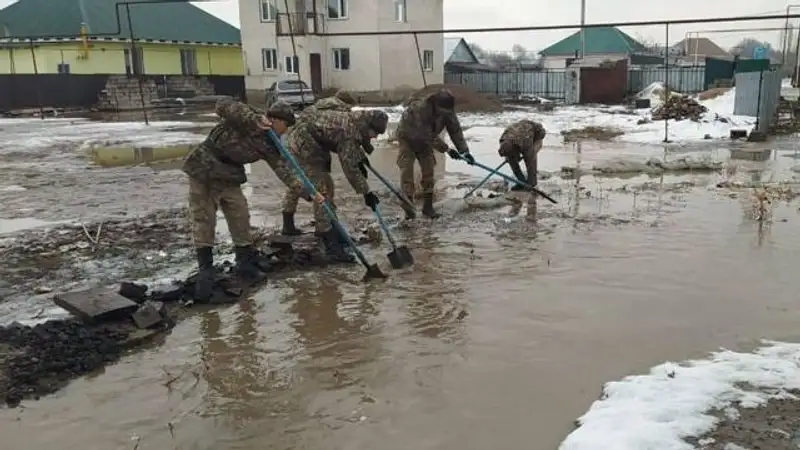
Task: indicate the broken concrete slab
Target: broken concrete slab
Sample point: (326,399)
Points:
(751,154)
(738,134)
(149,315)
(96,305)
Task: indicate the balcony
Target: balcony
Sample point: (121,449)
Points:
(299,24)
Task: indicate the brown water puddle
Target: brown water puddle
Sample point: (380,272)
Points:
(494,340)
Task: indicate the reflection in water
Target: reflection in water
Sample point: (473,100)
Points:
(431,298)
(233,368)
(331,331)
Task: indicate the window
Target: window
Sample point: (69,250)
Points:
(292,64)
(341,58)
(269,59)
(337,9)
(268,10)
(135,67)
(427,60)
(400,12)
(63,68)
(189,62)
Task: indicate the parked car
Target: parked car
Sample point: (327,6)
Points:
(294,92)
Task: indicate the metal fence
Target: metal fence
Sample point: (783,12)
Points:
(758,95)
(686,80)
(546,83)
(551,83)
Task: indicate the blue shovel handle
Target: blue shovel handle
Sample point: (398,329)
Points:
(385,227)
(493,172)
(309,186)
(515,181)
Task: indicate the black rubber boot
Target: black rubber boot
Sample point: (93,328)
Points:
(427,207)
(289,229)
(246,263)
(334,248)
(204,285)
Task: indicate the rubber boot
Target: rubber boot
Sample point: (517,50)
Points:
(334,248)
(246,266)
(204,285)
(427,207)
(289,229)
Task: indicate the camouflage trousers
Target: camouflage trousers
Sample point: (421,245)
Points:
(405,161)
(291,198)
(323,182)
(205,199)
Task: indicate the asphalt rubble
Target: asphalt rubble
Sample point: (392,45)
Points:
(41,359)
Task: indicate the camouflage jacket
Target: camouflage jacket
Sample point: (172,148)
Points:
(520,137)
(326,104)
(312,141)
(235,141)
(420,127)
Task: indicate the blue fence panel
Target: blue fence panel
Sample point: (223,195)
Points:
(545,83)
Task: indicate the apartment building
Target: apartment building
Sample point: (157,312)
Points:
(357,63)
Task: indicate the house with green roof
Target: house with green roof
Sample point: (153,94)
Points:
(93,37)
(602,44)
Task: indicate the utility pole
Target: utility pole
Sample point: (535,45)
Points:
(583,29)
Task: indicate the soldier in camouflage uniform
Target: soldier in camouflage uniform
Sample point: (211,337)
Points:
(418,135)
(342,101)
(522,141)
(341,133)
(216,172)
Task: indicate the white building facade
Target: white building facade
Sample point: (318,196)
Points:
(356,63)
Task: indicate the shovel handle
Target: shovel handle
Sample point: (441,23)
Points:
(385,227)
(407,205)
(478,186)
(309,186)
(515,181)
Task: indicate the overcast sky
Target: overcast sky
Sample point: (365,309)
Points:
(508,13)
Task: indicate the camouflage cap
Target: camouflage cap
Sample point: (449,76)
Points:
(345,97)
(443,98)
(281,110)
(374,119)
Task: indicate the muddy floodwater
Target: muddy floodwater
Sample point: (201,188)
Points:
(499,337)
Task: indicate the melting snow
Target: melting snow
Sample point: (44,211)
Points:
(658,410)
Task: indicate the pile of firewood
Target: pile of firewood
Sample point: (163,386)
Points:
(679,108)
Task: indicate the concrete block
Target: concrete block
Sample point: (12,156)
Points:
(149,315)
(751,154)
(96,305)
(757,136)
(738,134)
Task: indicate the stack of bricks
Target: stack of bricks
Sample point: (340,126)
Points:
(178,86)
(122,94)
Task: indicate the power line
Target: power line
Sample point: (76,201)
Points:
(564,26)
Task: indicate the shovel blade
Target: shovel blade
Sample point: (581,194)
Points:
(374,273)
(400,257)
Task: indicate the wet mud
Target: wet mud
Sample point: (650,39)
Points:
(39,360)
(774,426)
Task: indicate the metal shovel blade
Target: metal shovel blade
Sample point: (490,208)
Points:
(373,273)
(400,257)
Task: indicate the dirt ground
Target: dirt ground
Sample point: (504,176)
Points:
(775,426)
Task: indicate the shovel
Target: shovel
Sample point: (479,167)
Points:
(373,271)
(513,180)
(478,186)
(400,257)
(406,204)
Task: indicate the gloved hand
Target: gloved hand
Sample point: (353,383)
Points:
(371,200)
(367,146)
(454,154)
(308,198)
(467,156)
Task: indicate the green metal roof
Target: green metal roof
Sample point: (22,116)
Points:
(598,40)
(175,21)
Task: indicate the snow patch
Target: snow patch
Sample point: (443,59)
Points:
(658,410)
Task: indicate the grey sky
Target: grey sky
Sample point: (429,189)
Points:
(506,13)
